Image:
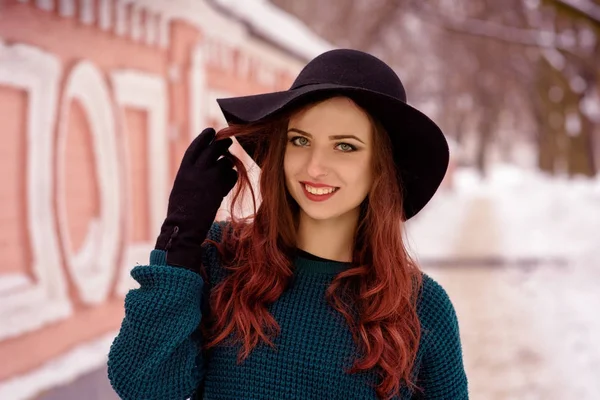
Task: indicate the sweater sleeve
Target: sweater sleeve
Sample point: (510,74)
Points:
(155,355)
(442,374)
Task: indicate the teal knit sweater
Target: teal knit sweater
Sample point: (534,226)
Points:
(156,353)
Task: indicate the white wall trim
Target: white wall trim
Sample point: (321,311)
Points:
(120,17)
(151,28)
(86,11)
(148,92)
(199,108)
(66,8)
(105,14)
(93,265)
(36,304)
(46,5)
(164,31)
(136,23)
(213,111)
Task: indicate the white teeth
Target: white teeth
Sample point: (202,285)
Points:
(319,191)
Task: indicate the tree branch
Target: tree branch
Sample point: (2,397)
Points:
(491,30)
(586,8)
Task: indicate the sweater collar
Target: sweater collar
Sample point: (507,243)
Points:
(307,263)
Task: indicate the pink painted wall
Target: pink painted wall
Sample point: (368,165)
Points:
(96,111)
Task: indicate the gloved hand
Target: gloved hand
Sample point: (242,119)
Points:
(203,180)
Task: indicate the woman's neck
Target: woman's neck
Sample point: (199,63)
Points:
(331,239)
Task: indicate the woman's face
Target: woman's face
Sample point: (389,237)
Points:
(327,160)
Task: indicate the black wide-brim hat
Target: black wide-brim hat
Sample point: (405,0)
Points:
(419,147)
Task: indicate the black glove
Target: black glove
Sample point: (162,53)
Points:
(198,191)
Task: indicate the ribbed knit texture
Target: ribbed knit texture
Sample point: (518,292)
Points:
(156,354)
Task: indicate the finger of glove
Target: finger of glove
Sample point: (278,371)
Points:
(222,177)
(229,176)
(200,143)
(213,152)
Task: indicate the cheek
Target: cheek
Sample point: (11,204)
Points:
(358,173)
(365,183)
(286,164)
(292,161)
(289,162)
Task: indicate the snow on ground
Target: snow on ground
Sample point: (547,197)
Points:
(529,330)
(514,214)
(527,333)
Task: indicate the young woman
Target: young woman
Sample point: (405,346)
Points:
(313,296)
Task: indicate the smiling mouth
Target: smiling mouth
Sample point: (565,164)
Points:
(319,191)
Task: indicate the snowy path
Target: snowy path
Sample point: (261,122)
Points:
(528,334)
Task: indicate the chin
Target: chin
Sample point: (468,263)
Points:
(320,216)
(324,213)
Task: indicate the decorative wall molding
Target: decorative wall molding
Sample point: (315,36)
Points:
(47,5)
(151,28)
(146,22)
(213,111)
(163,37)
(135,21)
(148,92)
(198,93)
(120,27)
(66,8)
(105,9)
(251,63)
(30,304)
(86,11)
(92,266)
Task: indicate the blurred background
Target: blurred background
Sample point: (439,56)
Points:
(99,99)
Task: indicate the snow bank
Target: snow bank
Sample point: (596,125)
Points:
(514,214)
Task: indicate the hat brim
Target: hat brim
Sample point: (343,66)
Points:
(420,148)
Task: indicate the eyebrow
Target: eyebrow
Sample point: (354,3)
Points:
(333,137)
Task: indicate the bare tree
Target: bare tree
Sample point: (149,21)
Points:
(487,71)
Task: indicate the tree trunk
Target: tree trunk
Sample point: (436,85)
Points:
(486,129)
(580,158)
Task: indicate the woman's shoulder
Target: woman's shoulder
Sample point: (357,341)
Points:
(442,371)
(435,308)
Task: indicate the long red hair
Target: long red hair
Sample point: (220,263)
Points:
(377,296)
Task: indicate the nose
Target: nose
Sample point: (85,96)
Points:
(317,164)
